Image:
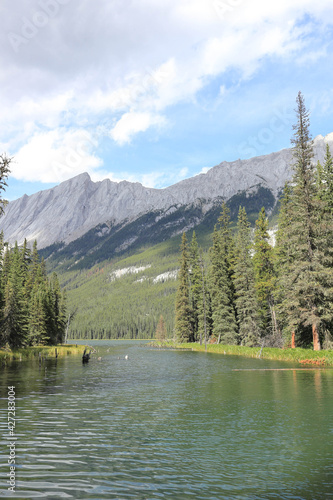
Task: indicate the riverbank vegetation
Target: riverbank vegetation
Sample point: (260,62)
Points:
(39,352)
(255,293)
(306,357)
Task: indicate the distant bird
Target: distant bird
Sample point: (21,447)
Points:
(126,357)
(99,359)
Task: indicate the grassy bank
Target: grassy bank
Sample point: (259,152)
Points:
(306,357)
(42,352)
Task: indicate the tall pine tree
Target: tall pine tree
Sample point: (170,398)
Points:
(308,278)
(183,319)
(195,286)
(263,261)
(325,243)
(243,277)
(222,294)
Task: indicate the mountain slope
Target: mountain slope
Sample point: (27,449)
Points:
(66,212)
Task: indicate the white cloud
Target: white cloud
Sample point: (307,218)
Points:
(204,170)
(131,123)
(122,65)
(55,156)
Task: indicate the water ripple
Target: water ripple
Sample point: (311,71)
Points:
(169,424)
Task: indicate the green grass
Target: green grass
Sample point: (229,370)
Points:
(306,357)
(26,353)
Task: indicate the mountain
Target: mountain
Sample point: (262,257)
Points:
(70,210)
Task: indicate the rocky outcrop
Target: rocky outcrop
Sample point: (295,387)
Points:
(69,210)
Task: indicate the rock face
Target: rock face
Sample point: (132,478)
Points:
(72,208)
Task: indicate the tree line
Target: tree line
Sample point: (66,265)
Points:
(254,292)
(32,306)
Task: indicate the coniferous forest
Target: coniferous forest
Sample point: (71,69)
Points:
(254,292)
(32,306)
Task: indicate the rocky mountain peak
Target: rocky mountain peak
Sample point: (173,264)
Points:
(75,206)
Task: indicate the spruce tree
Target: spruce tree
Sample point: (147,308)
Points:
(15,306)
(243,278)
(56,305)
(5,162)
(326,188)
(308,278)
(183,318)
(160,333)
(195,285)
(263,261)
(324,235)
(204,309)
(38,319)
(285,255)
(2,287)
(224,327)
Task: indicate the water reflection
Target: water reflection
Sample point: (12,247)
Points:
(170,425)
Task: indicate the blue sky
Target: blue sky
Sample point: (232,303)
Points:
(156,91)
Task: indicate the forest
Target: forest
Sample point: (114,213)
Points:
(32,305)
(254,292)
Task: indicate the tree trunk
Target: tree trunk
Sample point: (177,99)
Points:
(316,341)
(293,345)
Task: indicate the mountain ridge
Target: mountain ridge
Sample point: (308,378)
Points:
(72,208)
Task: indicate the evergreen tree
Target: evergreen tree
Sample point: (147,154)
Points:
(308,281)
(56,306)
(37,324)
(4,172)
(195,285)
(204,308)
(243,277)
(326,188)
(284,257)
(183,319)
(160,333)
(2,289)
(263,261)
(15,307)
(32,308)
(324,236)
(221,286)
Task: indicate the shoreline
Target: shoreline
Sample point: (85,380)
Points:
(305,357)
(40,352)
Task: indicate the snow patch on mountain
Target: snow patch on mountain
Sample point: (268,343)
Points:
(119,273)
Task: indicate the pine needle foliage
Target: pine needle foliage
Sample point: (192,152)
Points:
(33,308)
(184,313)
(224,326)
(243,279)
(307,280)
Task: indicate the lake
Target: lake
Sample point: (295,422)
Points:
(168,424)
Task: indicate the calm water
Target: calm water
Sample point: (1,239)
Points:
(168,425)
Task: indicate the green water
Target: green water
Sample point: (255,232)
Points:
(168,425)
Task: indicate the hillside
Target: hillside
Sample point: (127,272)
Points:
(119,291)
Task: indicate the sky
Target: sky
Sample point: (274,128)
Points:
(156,91)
